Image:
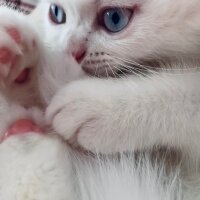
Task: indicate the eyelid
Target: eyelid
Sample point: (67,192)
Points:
(103,9)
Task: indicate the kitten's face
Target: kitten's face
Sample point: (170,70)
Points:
(106,36)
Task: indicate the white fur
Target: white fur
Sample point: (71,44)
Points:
(27,171)
(134,112)
(125,115)
(106,115)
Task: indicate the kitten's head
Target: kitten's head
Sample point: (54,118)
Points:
(110,36)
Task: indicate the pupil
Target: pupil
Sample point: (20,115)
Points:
(115,18)
(56,11)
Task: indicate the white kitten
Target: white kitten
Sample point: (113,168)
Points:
(106,115)
(155,107)
(128,113)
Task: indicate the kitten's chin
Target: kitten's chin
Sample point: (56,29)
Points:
(100,72)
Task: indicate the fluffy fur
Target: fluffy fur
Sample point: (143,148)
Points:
(106,116)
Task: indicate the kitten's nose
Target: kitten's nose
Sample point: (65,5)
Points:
(79,54)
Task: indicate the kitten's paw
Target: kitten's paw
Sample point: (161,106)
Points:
(18,48)
(82,115)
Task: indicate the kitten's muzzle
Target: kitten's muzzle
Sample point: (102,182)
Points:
(78,52)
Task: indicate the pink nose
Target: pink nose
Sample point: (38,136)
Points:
(79,54)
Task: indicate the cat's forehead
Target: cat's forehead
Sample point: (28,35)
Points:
(80,3)
(118,2)
(76,2)
(76,5)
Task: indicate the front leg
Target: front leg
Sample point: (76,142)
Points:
(118,115)
(19,57)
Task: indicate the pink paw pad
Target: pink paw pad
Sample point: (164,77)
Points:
(21,127)
(5,55)
(14,34)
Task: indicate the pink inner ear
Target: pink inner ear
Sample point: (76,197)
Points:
(21,127)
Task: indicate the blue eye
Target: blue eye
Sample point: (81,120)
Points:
(116,19)
(57,14)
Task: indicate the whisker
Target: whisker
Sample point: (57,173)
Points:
(131,70)
(131,62)
(107,73)
(120,72)
(146,76)
(137,72)
(114,74)
(166,70)
(137,66)
(96,67)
